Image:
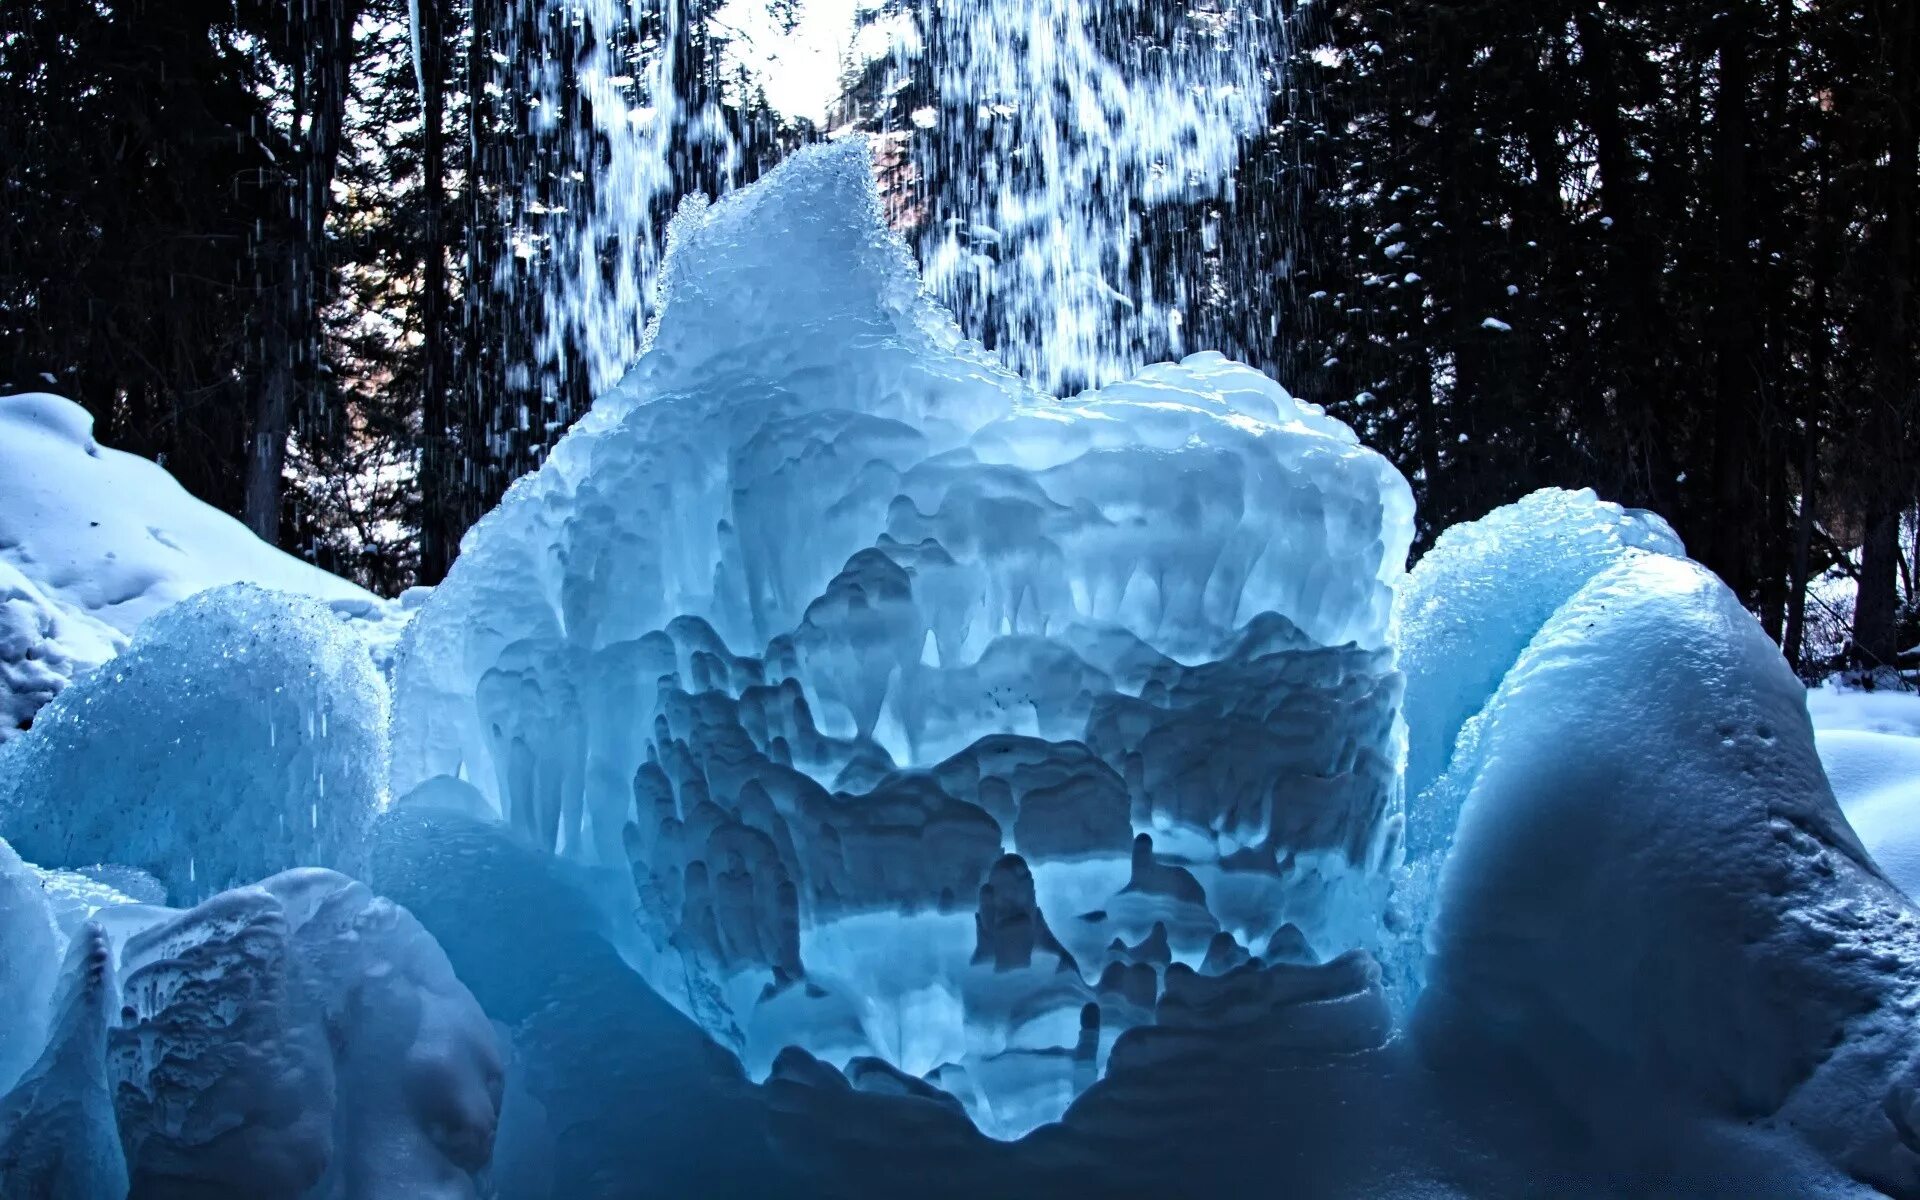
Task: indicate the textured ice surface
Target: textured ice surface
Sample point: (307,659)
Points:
(1652,904)
(58,1137)
(1474,601)
(29,959)
(240,734)
(296,1038)
(932,717)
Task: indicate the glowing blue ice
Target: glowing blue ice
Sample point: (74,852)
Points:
(921,706)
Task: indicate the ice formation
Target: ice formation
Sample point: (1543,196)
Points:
(906,693)
(242,732)
(840,760)
(296,1038)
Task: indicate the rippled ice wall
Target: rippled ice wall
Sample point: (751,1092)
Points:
(937,722)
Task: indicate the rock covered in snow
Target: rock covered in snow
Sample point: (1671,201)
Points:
(819,616)
(243,732)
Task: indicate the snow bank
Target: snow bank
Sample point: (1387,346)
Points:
(112,534)
(44,645)
(1870,745)
(94,541)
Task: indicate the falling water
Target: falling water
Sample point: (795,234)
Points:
(620,130)
(1057,130)
(1060,126)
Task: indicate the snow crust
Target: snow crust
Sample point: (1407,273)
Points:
(931,716)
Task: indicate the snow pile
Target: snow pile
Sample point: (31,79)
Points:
(94,541)
(241,733)
(44,645)
(933,719)
(300,1037)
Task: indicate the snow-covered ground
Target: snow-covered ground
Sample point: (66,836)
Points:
(93,541)
(1870,745)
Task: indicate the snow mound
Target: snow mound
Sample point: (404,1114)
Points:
(299,1037)
(44,645)
(932,718)
(112,534)
(93,541)
(242,732)
(1653,906)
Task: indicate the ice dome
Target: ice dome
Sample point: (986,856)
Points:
(241,733)
(934,719)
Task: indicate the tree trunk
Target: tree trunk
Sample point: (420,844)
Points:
(1734,409)
(1891,487)
(291,348)
(439,527)
(1878,601)
(272,414)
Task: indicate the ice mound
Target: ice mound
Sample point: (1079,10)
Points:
(1653,908)
(29,957)
(242,733)
(300,1037)
(1474,601)
(1462,617)
(933,719)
